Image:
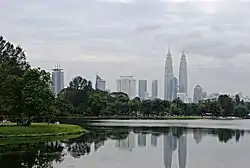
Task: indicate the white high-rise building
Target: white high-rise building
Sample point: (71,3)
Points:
(57,79)
(168,76)
(142,89)
(154,89)
(183,74)
(127,84)
(100,83)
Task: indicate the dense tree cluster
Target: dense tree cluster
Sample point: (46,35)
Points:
(24,91)
(82,99)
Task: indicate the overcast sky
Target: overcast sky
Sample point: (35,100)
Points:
(130,37)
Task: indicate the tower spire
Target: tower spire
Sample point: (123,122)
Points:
(169,52)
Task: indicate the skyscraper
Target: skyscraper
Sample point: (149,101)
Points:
(57,79)
(174,89)
(168,76)
(183,74)
(100,84)
(154,89)
(198,94)
(142,89)
(126,84)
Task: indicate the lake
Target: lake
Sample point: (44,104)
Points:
(139,144)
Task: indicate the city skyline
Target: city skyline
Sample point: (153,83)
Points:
(120,43)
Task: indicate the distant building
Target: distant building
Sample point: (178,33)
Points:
(183,97)
(142,89)
(198,94)
(183,74)
(127,84)
(100,84)
(57,79)
(154,89)
(168,75)
(174,89)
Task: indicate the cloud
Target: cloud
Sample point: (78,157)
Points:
(132,36)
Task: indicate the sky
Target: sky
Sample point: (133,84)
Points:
(131,37)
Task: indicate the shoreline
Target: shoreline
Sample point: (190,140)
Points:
(135,118)
(39,130)
(148,118)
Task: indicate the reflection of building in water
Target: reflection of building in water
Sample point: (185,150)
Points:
(182,151)
(170,145)
(168,148)
(98,145)
(154,139)
(128,143)
(197,135)
(142,139)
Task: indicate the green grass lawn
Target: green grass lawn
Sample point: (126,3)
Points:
(39,129)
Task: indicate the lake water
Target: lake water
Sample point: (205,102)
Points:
(135,145)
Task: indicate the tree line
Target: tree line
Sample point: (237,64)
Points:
(79,98)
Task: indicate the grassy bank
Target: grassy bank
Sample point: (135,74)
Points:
(39,129)
(135,117)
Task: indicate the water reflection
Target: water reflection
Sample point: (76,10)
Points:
(171,141)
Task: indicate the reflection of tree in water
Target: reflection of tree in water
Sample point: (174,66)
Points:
(224,135)
(81,146)
(31,155)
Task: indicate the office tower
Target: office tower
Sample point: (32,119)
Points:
(183,97)
(154,89)
(142,140)
(183,74)
(154,139)
(127,84)
(182,151)
(168,75)
(174,88)
(198,94)
(57,79)
(142,89)
(100,84)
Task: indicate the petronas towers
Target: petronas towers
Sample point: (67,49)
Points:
(171,84)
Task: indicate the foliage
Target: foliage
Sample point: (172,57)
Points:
(88,102)
(24,91)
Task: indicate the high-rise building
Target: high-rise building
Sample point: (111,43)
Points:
(100,84)
(154,89)
(142,89)
(168,76)
(183,97)
(198,94)
(127,84)
(183,74)
(174,88)
(57,79)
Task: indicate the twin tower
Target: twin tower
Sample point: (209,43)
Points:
(173,86)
